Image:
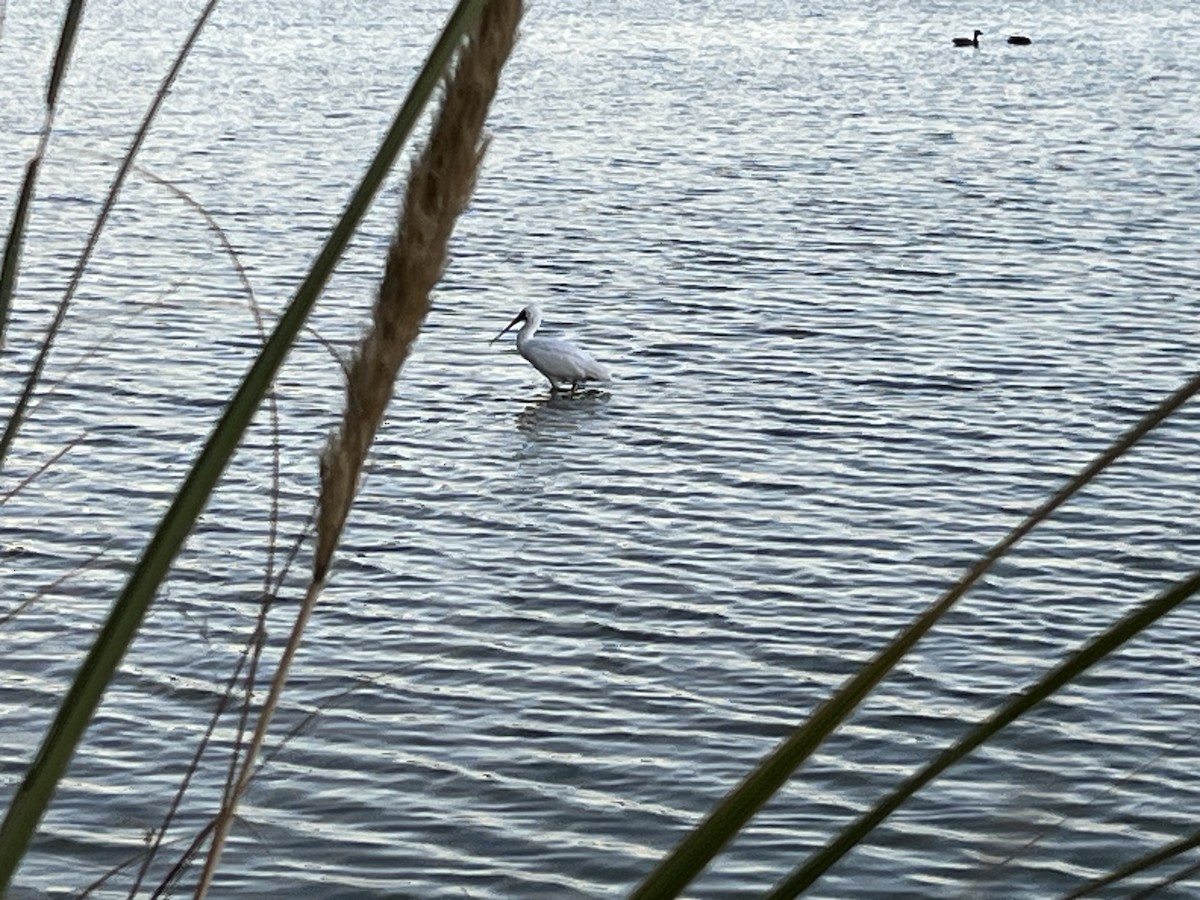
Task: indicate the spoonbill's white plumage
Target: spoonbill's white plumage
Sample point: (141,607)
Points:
(559,360)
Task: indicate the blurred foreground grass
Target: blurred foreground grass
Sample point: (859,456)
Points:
(438,188)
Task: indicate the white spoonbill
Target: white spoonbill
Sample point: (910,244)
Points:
(559,360)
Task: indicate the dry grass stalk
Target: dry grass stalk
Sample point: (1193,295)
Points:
(439,186)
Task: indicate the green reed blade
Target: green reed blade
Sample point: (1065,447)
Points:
(1153,858)
(1069,669)
(12,247)
(66,41)
(16,234)
(64,734)
(731,814)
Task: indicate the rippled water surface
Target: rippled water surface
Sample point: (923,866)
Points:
(868,300)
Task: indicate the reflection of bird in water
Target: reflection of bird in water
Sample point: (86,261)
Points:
(559,360)
(559,415)
(968,42)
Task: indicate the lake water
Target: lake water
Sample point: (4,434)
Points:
(868,299)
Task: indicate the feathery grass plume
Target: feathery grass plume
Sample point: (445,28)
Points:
(62,737)
(439,186)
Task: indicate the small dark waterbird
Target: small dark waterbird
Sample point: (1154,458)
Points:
(558,359)
(1019,39)
(968,42)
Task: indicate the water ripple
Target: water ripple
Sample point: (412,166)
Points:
(868,300)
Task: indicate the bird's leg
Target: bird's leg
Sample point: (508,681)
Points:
(574,385)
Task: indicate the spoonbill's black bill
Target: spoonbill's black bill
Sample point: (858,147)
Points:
(562,362)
